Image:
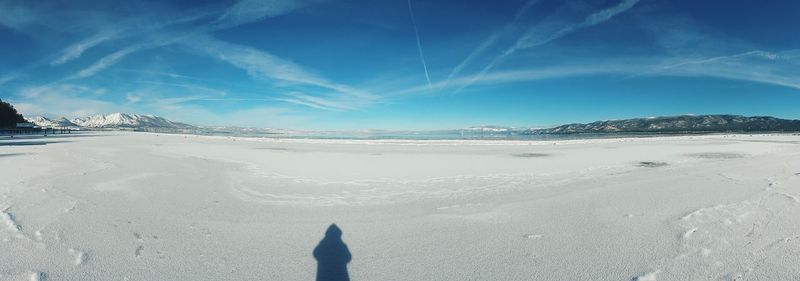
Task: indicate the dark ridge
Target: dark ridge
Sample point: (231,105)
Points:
(679,124)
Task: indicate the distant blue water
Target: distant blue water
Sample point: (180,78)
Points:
(440,136)
(413,135)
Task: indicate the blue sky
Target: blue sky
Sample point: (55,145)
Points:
(398,64)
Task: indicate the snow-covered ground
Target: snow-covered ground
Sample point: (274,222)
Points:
(138,206)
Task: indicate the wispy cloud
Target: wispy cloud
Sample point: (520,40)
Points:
(258,64)
(132,98)
(175,103)
(257,116)
(317,102)
(262,65)
(770,68)
(68,100)
(163,74)
(268,81)
(533,39)
(523,75)
(243,11)
(419,43)
(74,51)
(189,87)
(751,54)
(9,77)
(171,96)
(16,16)
(774,68)
(247,11)
(489,42)
(106,61)
(534,36)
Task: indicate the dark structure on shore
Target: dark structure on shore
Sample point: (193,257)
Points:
(13,123)
(9,117)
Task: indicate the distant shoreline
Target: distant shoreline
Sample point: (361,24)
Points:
(532,141)
(422,137)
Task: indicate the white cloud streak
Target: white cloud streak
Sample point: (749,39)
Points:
(516,76)
(15,16)
(316,102)
(756,54)
(66,100)
(244,11)
(769,68)
(106,61)
(189,87)
(534,38)
(489,42)
(9,77)
(262,65)
(774,68)
(419,43)
(76,50)
(247,11)
(258,64)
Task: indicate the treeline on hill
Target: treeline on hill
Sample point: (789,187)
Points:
(9,117)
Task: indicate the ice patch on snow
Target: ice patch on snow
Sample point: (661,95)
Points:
(23,276)
(688,233)
(717,155)
(71,208)
(123,183)
(647,277)
(533,236)
(38,235)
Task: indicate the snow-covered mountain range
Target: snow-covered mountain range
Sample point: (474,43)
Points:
(669,124)
(45,122)
(679,124)
(111,121)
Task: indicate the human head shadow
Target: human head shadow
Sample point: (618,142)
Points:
(332,256)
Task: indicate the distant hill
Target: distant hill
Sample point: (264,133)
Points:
(679,124)
(653,125)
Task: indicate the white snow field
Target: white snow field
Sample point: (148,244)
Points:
(139,206)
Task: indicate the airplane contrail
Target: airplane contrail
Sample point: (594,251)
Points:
(491,40)
(419,45)
(533,39)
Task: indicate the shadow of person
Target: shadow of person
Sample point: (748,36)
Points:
(332,256)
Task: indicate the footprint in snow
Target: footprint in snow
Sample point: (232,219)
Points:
(80,256)
(138,251)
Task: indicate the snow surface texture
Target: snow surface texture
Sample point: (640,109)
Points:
(140,206)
